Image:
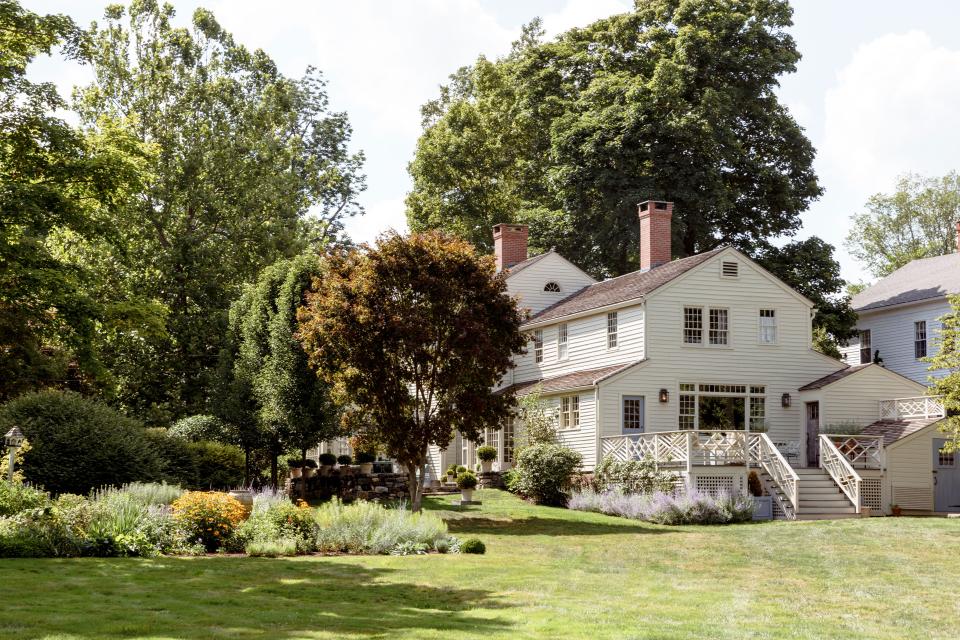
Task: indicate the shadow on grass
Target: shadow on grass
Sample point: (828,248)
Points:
(200,598)
(537,526)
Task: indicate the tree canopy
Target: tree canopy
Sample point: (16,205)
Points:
(240,155)
(947,349)
(917,220)
(672,101)
(415,332)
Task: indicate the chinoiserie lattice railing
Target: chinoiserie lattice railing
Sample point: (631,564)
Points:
(679,448)
(915,408)
(766,454)
(861,451)
(840,469)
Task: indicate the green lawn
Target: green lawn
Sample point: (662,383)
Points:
(548,573)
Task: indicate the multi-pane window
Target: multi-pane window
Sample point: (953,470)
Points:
(920,339)
(758,413)
(688,411)
(946,458)
(569,412)
(538,345)
(551,287)
(633,413)
(692,325)
(493,438)
(768,326)
(562,342)
(508,441)
(719,326)
(865,347)
(612,330)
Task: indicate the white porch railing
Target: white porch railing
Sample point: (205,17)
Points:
(688,449)
(861,451)
(840,469)
(907,408)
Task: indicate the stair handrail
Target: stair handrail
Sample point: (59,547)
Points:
(840,470)
(776,466)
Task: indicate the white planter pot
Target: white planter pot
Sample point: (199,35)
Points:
(366,468)
(452,479)
(466,495)
(486,466)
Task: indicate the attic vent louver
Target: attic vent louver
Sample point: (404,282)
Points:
(729,269)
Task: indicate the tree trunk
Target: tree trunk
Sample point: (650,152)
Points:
(246,466)
(303,480)
(413,488)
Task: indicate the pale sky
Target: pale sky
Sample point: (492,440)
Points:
(878,89)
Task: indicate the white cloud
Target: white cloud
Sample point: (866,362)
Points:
(893,110)
(580,13)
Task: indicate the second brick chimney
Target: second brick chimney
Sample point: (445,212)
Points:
(510,244)
(655,234)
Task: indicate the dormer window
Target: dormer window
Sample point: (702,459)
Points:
(551,287)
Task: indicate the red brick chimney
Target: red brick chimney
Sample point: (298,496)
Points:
(655,233)
(509,244)
(958,236)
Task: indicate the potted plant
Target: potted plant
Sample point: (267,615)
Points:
(466,482)
(366,459)
(309,468)
(344,460)
(327,460)
(895,510)
(452,473)
(296,466)
(460,469)
(486,455)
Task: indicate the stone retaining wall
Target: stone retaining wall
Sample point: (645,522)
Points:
(349,485)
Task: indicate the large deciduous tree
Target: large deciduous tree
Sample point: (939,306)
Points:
(947,357)
(674,100)
(918,220)
(242,153)
(269,395)
(414,333)
(55,186)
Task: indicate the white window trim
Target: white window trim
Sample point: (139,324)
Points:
(776,327)
(616,331)
(725,276)
(537,338)
(573,415)
(705,327)
(860,347)
(643,412)
(697,394)
(926,340)
(552,282)
(565,329)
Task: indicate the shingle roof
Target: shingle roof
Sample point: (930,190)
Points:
(575,380)
(622,288)
(893,430)
(520,266)
(819,383)
(923,279)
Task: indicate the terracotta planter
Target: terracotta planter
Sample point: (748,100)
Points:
(466,495)
(486,466)
(366,468)
(296,472)
(309,472)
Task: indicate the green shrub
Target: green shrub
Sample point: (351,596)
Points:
(544,472)
(486,453)
(79,443)
(846,428)
(17,497)
(473,545)
(452,470)
(327,459)
(271,548)
(634,476)
(365,457)
(196,465)
(344,459)
(199,427)
(367,527)
(461,469)
(467,480)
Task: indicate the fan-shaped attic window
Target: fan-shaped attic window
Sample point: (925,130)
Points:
(551,287)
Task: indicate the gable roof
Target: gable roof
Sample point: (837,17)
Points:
(622,288)
(520,266)
(820,383)
(567,381)
(894,430)
(923,279)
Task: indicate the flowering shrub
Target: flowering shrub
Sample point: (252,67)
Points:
(692,507)
(208,516)
(543,473)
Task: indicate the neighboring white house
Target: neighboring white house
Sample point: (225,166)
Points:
(704,364)
(899,315)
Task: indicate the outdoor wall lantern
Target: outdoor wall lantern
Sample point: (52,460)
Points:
(785,400)
(664,395)
(13,440)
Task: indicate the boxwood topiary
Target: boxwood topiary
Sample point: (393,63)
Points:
(473,545)
(365,457)
(344,459)
(467,480)
(487,453)
(327,459)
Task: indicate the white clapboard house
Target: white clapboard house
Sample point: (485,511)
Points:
(705,365)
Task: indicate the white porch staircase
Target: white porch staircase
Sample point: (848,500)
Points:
(820,497)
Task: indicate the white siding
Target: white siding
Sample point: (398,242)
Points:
(856,398)
(781,368)
(584,438)
(586,345)
(528,284)
(909,478)
(891,331)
